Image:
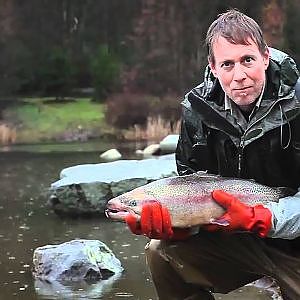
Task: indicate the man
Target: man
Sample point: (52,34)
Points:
(242,121)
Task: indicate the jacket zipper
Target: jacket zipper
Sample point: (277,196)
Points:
(242,142)
(240,156)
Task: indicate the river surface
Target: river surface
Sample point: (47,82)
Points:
(27,223)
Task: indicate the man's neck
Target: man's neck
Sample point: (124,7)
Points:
(247,108)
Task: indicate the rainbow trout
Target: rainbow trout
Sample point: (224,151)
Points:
(188,198)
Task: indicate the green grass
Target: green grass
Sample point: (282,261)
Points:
(41,121)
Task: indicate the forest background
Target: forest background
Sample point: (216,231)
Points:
(83,69)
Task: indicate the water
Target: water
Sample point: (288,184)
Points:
(26,223)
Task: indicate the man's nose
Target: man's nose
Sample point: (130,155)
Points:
(239,72)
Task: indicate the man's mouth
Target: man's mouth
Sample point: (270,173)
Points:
(242,92)
(243,89)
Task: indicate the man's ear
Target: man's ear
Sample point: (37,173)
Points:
(266,58)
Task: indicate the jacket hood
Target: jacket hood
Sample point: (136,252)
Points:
(282,72)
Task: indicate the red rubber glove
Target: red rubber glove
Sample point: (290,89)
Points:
(241,217)
(155,223)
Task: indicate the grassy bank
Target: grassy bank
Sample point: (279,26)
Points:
(44,120)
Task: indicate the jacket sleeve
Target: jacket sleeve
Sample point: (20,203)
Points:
(286,217)
(183,152)
(192,152)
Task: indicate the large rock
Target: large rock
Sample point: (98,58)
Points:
(169,143)
(80,198)
(110,155)
(85,189)
(81,269)
(76,260)
(152,149)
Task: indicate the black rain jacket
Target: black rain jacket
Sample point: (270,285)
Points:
(268,151)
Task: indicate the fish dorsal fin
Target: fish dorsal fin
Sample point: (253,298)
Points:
(205,175)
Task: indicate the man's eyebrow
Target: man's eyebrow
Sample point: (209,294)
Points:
(226,61)
(248,55)
(241,58)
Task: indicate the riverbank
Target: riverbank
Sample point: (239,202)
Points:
(46,120)
(43,120)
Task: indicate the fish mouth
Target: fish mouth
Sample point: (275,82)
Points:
(119,214)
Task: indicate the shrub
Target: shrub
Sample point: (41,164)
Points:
(155,130)
(128,110)
(169,108)
(125,110)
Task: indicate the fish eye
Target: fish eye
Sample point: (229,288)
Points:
(132,203)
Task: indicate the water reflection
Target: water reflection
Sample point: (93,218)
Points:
(78,290)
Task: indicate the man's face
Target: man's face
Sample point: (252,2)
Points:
(240,70)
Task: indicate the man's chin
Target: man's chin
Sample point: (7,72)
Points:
(244,100)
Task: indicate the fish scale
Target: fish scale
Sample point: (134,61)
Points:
(188,198)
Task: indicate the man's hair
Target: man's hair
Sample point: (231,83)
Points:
(236,28)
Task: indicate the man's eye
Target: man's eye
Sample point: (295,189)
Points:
(248,60)
(226,64)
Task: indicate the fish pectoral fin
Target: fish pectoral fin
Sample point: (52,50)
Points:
(221,222)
